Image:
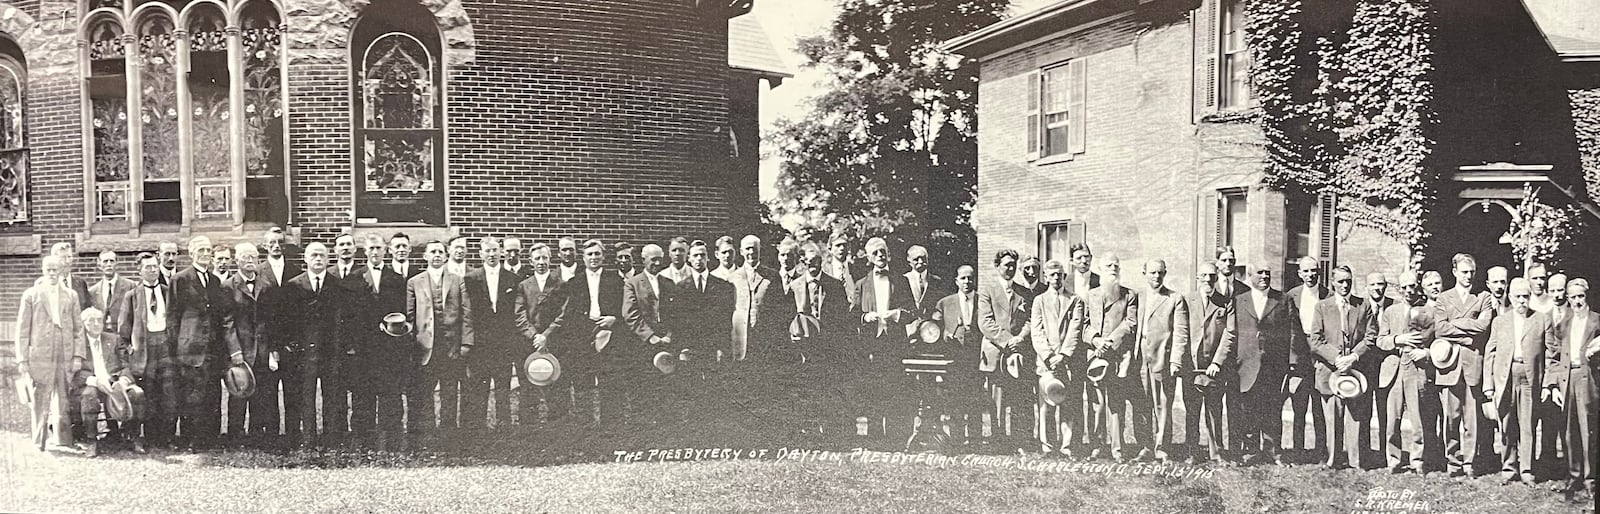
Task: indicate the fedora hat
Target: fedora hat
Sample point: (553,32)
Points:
(804,326)
(119,405)
(602,338)
(1348,384)
(240,380)
(1202,380)
(136,398)
(1051,390)
(1442,354)
(1388,370)
(930,332)
(665,362)
(541,368)
(1097,369)
(395,324)
(1014,365)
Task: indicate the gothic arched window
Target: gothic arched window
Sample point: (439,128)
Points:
(13,135)
(397,93)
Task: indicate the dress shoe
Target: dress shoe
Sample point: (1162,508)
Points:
(138,447)
(91,450)
(1145,455)
(1509,478)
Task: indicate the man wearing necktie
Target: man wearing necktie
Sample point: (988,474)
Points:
(595,364)
(492,290)
(1303,397)
(106,295)
(310,340)
(958,316)
(650,307)
(247,329)
(1003,315)
(438,306)
(169,261)
(1409,397)
(49,349)
(341,372)
(69,256)
(536,304)
(1464,321)
(885,307)
(1344,327)
(380,359)
(926,288)
(146,342)
(1212,332)
(275,267)
(707,312)
(759,319)
(1383,377)
(1523,349)
(842,264)
(1573,384)
(198,306)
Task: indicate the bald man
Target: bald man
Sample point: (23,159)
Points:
(1574,385)
(1497,282)
(1522,348)
(1303,396)
(650,307)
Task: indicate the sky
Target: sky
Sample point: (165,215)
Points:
(786,21)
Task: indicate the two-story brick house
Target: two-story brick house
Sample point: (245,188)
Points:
(1114,122)
(125,123)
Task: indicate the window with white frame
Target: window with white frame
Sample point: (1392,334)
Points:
(1057,108)
(1235,57)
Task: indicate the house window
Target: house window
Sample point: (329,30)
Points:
(13,134)
(1235,58)
(399,105)
(180,128)
(1232,223)
(1057,237)
(1057,110)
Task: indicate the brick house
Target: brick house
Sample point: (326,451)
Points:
(1118,122)
(124,123)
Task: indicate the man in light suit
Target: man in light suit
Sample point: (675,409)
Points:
(842,264)
(536,304)
(1004,309)
(1056,329)
(69,257)
(758,312)
(146,343)
(50,349)
(1522,348)
(1409,396)
(1267,322)
(198,306)
(1211,330)
(1113,313)
(1344,325)
(591,305)
(1305,398)
(106,295)
(1082,280)
(650,307)
(884,306)
(437,301)
(1377,304)
(1158,361)
(311,341)
(678,251)
(1574,382)
(247,329)
(1464,321)
(958,315)
(492,291)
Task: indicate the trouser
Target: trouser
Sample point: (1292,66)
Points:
(1059,425)
(1302,400)
(1419,405)
(1551,431)
(1204,404)
(1127,406)
(199,395)
(1468,435)
(1347,427)
(261,409)
(616,391)
(1013,402)
(291,376)
(570,396)
(1258,414)
(1579,401)
(446,376)
(50,409)
(1387,404)
(1517,422)
(1160,393)
(487,378)
(376,403)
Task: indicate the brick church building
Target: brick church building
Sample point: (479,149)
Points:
(126,123)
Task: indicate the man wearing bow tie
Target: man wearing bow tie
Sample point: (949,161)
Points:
(146,341)
(492,291)
(248,328)
(199,304)
(885,308)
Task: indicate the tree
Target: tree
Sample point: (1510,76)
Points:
(890,148)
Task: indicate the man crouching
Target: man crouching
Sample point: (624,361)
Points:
(105,384)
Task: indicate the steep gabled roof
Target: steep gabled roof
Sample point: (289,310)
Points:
(1571,27)
(750,49)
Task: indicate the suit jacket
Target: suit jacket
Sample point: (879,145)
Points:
(81,288)
(1264,340)
(1163,333)
(963,333)
(848,273)
(1056,327)
(103,353)
(47,342)
(760,317)
(933,291)
(1212,321)
(899,298)
(1004,310)
(1301,361)
(1117,319)
(536,303)
(97,298)
(649,312)
(572,325)
(389,298)
(1339,334)
(196,311)
(248,325)
(143,349)
(1565,368)
(1464,322)
(291,269)
(523,271)
(707,315)
(1540,349)
(822,297)
(1072,283)
(354,291)
(443,325)
(311,321)
(495,334)
(1397,320)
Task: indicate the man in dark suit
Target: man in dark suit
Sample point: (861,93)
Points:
(198,306)
(707,315)
(1112,326)
(341,372)
(926,288)
(1267,323)
(1227,272)
(958,316)
(106,295)
(1081,280)
(823,298)
(842,264)
(1523,347)
(1211,331)
(1303,397)
(276,268)
(650,307)
(247,328)
(1344,326)
(1410,397)
(536,304)
(1464,321)
(311,342)
(622,256)
(69,257)
(593,355)
(493,292)
(1003,315)
(511,257)
(1574,382)
(168,253)
(380,359)
(885,307)
(1382,379)
(146,343)
(437,302)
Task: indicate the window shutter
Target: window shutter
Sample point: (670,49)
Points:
(1327,228)
(1077,93)
(1077,232)
(1037,237)
(1207,229)
(1035,88)
(1206,28)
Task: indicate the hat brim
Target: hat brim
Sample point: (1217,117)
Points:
(551,376)
(1098,368)
(1452,355)
(384,327)
(665,362)
(245,390)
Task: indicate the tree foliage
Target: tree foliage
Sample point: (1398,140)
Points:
(890,147)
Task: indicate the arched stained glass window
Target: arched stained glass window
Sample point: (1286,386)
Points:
(107,89)
(13,135)
(397,93)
